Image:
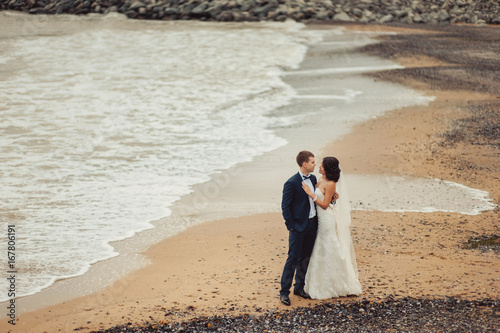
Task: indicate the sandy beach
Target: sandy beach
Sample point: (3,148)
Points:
(233,265)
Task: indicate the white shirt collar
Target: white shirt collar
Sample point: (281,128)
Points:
(302,175)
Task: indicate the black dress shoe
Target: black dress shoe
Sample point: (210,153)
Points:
(285,299)
(301,293)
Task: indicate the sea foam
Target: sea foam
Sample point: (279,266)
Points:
(103,129)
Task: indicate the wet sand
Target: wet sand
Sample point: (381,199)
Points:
(233,265)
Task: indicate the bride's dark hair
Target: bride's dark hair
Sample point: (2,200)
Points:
(332,169)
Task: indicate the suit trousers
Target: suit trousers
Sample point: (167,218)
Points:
(300,246)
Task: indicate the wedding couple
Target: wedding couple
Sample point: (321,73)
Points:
(318,218)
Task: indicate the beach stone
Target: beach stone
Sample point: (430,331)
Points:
(214,10)
(457,11)
(170,11)
(245,5)
(131,14)
(408,19)
(238,16)
(322,15)
(417,19)
(200,9)
(186,9)
(156,9)
(400,13)
(427,18)
(386,19)
(356,11)
(364,19)
(265,9)
(325,3)
(298,15)
(280,18)
(309,12)
(137,5)
(64,6)
(225,16)
(342,16)
(443,16)
(281,10)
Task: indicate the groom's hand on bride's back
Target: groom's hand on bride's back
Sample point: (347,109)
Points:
(335,197)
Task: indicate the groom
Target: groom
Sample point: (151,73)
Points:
(299,212)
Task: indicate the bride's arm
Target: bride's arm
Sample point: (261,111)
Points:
(330,190)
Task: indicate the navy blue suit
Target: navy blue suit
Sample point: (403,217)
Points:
(295,207)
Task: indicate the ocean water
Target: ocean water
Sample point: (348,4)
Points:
(106,122)
(103,128)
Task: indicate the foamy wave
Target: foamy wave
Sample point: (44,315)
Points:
(345,70)
(105,129)
(405,194)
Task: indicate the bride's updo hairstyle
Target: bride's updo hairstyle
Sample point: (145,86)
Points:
(332,169)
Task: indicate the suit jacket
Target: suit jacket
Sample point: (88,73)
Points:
(295,204)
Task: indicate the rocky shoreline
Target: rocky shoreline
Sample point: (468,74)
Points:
(477,12)
(389,315)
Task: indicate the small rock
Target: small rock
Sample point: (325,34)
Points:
(200,9)
(400,13)
(417,19)
(170,11)
(367,13)
(342,17)
(386,19)
(322,15)
(136,5)
(443,16)
(357,11)
(225,16)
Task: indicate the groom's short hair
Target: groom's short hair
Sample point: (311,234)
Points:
(303,156)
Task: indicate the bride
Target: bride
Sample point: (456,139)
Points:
(332,270)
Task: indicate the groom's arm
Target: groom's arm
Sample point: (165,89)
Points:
(286,205)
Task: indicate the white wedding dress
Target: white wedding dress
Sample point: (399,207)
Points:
(332,270)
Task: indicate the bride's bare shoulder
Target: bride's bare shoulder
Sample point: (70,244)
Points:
(330,184)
